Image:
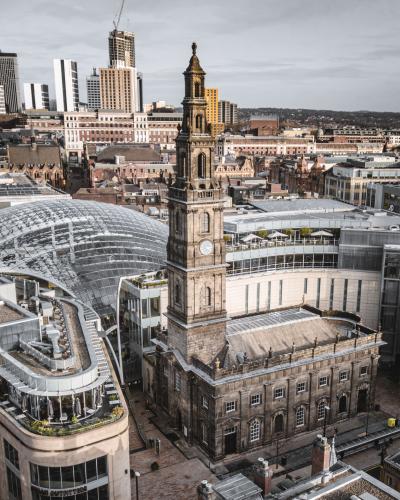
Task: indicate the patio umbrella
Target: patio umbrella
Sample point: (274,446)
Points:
(322,233)
(251,237)
(277,234)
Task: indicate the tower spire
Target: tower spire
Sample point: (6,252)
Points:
(196,248)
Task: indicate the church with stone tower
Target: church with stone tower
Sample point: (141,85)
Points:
(231,385)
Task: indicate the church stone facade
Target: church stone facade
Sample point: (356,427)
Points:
(234,385)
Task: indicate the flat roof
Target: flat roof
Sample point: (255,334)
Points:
(237,487)
(303,205)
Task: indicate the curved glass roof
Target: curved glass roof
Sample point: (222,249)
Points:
(82,246)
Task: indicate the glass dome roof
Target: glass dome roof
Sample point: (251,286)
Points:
(82,246)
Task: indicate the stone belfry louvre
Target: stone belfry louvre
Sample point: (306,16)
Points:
(196,250)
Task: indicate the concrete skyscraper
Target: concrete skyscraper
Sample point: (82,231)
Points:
(121,47)
(118,89)
(66,84)
(9,79)
(36,96)
(93,91)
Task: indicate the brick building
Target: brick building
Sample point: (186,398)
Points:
(235,385)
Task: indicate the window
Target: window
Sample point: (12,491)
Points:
(177,293)
(201,166)
(11,454)
(58,478)
(279,393)
(301,387)
(14,485)
(230,406)
(300,416)
(332,291)
(321,409)
(178,381)
(343,376)
(318,293)
(269,296)
(346,284)
(363,370)
(280,291)
(255,431)
(177,221)
(358,307)
(255,400)
(199,122)
(305,285)
(207,296)
(205,222)
(323,381)
(204,402)
(204,433)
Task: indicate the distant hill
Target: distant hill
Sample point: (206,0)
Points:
(327,118)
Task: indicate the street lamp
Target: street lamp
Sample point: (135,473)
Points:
(326,409)
(137,475)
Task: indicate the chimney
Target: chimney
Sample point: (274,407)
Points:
(321,454)
(263,475)
(205,491)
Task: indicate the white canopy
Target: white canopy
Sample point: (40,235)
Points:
(251,237)
(277,234)
(322,233)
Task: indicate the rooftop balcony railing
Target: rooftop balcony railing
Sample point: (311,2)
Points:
(288,242)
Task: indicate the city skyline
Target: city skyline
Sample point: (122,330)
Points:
(273,54)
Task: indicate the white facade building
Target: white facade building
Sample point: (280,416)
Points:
(140,128)
(66,84)
(36,96)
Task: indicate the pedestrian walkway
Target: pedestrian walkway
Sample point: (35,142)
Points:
(169,474)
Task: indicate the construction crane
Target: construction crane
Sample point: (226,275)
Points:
(119,16)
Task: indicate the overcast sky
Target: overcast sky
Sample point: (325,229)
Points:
(326,54)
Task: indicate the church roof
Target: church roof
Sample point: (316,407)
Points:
(280,331)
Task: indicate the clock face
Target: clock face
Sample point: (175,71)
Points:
(206,247)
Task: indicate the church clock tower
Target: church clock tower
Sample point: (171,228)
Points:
(196,248)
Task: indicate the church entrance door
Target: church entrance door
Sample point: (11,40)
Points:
(362,401)
(230,441)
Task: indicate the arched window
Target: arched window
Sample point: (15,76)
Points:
(199,122)
(321,410)
(255,431)
(177,293)
(177,221)
(205,222)
(278,423)
(197,89)
(201,166)
(300,416)
(343,403)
